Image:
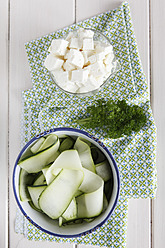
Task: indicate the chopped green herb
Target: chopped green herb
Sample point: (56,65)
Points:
(115,119)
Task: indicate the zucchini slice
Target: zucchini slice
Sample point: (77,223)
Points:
(57,196)
(105,202)
(90,204)
(32,205)
(84,152)
(37,145)
(39,179)
(48,171)
(97,155)
(104,171)
(35,192)
(44,143)
(66,144)
(38,161)
(68,159)
(79,192)
(71,211)
(25,179)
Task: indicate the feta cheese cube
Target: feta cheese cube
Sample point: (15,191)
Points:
(100,80)
(59,46)
(108,68)
(60,76)
(52,62)
(87,88)
(96,57)
(102,47)
(75,43)
(90,85)
(109,58)
(80,76)
(66,53)
(71,87)
(69,36)
(68,66)
(97,69)
(88,44)
(85,33)
(86,55)
(76,58)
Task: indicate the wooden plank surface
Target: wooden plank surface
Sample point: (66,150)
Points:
(3,122)
(28,20)
(158,104)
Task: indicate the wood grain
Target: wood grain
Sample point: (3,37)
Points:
(158,104)
(28,20)
(3,123)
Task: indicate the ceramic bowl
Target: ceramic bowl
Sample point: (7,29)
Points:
(43,222)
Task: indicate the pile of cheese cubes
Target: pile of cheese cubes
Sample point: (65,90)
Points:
(78,63)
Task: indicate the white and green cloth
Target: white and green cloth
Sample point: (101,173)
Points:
(45,107)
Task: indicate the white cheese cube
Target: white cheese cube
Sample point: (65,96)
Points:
(108,68)
(52,62)
(60,76)
(102,47)
(100,80)
(71,87)
(90,85)
(75,43)
(97,44)
(109,58)
(59,46)
(88,44)
(86,55)
(97,69)
(87,88)
(85,33)
(76,58)
(96,57)
(69,36)
(80,76)
(68,66)
(91,80)
(66,53)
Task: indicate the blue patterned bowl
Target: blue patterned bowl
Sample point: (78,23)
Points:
(44,223)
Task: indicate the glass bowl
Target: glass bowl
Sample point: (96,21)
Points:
(43,222)
(98,36)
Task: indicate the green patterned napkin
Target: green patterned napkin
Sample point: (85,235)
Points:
(45,106)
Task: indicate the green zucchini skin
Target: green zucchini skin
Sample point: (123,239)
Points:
(25,179)
(39,179)
(57,196)
(38,161)
(103,170)
(66,144)
(35,192)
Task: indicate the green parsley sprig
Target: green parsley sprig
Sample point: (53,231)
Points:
(116,119)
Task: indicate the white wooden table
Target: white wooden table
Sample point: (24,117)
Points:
(21,21)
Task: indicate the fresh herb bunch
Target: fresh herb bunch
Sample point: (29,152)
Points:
(115,119)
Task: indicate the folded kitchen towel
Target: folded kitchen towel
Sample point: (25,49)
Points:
(45,106)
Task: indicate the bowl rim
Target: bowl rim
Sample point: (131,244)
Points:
(58,129)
